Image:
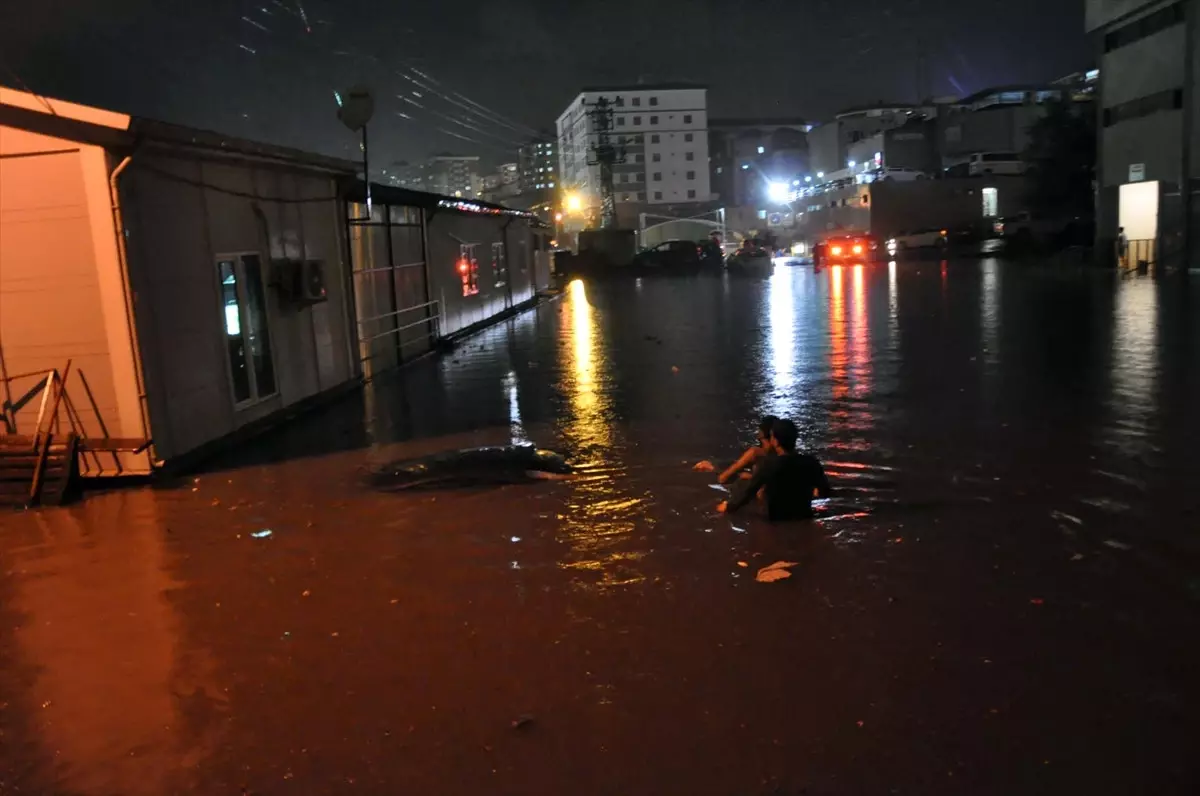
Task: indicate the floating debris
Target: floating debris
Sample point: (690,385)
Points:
(1059,515)
(1115,545)
(263,534)
(521,722)
(776,571)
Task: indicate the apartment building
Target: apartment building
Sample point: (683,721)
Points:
(662,132)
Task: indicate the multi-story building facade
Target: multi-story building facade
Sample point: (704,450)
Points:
(537,165)
(746,155)
(1148,155)
(829,143)
(662,131)
(448,175)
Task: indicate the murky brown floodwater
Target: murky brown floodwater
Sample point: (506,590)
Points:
(1004,599)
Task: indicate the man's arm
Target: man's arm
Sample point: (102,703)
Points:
(762,473)
(822,481)
(747,459)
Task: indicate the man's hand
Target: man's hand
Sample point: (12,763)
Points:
(721,507)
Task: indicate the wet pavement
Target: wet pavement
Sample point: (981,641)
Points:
(1004,598)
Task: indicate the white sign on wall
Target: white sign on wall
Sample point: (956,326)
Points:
(1137,172)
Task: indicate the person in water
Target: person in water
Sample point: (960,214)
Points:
(791,479)
(747,460)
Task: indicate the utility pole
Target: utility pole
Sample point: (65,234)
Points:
(605,155)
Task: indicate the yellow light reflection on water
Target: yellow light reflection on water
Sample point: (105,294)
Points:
(601,514)
(781,368)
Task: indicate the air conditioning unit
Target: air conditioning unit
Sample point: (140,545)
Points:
(301,281)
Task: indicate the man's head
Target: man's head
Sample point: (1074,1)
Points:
(784,435)
(765,426)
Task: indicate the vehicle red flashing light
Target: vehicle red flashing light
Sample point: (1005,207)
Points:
(463,266)
(836,251)
(858,249)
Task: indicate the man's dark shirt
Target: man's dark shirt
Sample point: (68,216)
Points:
(790,481)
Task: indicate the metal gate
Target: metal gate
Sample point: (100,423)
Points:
(397,320)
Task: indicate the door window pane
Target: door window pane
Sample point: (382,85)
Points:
(247,336)
(256,325)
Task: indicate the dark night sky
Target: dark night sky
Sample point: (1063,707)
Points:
(191,62)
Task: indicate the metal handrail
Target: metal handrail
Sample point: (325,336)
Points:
(398,312)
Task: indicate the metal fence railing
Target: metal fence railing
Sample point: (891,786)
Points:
(1137,254)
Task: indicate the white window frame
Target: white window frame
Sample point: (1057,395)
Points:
(243,321)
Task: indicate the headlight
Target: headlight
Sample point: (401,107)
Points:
(836,251)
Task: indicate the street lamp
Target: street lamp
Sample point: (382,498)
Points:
(777,192)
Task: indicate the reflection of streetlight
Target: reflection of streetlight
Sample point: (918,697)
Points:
(574,203)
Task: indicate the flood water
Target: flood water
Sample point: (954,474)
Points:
(1003,598)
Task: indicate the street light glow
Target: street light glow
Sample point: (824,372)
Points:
(777,191)
(574,203)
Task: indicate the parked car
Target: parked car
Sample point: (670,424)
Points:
(669,254)
(845,249)
(1028,228)
(917,239)
(752,255)
(897,174)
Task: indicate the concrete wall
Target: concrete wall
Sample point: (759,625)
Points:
(61,291)
(826,150)
(887,208)
(182,215)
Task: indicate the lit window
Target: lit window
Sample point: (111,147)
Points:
(551,185)
(762,150)
(762,214)
(468,269)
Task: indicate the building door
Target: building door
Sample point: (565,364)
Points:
(1137,214)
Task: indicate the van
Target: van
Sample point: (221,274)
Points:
(995,163)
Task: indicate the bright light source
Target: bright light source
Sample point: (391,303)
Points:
(777,192)
(762,150)
(820,175)
(808,178)
(858,249)
(795,182)
(836,251)
(574,203)
(878,157)
(558,216)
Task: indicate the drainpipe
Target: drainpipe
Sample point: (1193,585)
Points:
(130,327)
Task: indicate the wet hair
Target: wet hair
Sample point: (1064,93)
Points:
(766,425)
(786,434)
